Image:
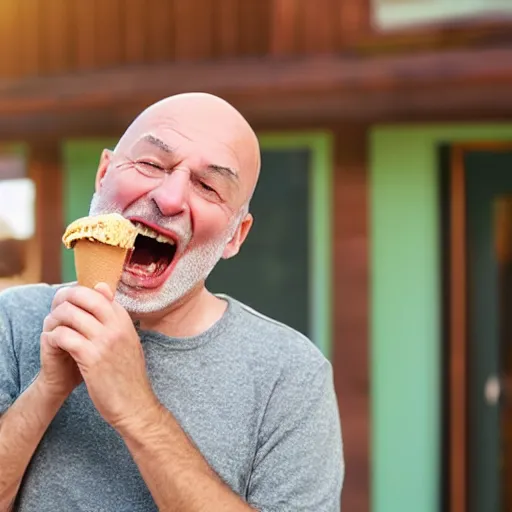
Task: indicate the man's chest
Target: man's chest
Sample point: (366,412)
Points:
(81,459)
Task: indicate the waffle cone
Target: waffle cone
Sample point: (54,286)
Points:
(96,262)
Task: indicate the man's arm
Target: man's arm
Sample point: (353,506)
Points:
(21,430)
(299,466)
(99,335)
(177,475)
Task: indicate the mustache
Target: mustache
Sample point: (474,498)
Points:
(148,211)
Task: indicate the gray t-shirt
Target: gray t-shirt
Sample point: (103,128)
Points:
(256,397)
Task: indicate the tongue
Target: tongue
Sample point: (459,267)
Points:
(142,256)
(144,262)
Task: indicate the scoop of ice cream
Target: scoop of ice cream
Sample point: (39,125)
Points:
(111,229)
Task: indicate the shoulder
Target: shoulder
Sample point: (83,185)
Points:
(274,343)
(29,296)
(25,305)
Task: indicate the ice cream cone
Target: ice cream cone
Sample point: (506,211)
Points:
(96,262)
(101,244)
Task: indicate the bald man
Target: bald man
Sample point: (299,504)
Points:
(165,396)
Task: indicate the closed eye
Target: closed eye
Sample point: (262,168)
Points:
(206,187)
(151,164)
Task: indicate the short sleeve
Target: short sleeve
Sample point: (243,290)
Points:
(299,462)
(9,375)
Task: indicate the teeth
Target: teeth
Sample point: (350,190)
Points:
(145,231)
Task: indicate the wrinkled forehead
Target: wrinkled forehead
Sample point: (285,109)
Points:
(196,139)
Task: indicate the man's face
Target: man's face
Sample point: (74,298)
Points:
(184,190)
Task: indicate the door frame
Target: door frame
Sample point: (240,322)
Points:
(457,377)
(320,144)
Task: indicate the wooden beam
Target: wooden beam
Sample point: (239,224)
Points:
(458,335)
(351,238)
(283,34)
(328,88)
(45,169)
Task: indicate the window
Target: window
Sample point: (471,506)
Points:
(394,14)
(17,222)
(284,268)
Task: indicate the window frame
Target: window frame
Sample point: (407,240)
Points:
(320,212)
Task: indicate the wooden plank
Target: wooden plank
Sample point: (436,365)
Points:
(317,26)
(45,170)
(227,30)
(202,21)
(183,36)
(29,44)
(10,62)
(351,238)
(55,36)
(284,32)
(354,22)
(108,29)
(458,334)
(135,31)
(161,26)
(193,43)
(254,21)
(84,42)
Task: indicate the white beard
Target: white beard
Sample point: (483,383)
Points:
(193,267)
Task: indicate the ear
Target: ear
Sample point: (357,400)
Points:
(238,238)
(106,158)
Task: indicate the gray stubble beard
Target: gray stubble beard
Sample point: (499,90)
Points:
(192,269)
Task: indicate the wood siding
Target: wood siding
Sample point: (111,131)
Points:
(351,342)
(41,37)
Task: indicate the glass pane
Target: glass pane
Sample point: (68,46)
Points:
(17,226)
(503,231)
(271,272)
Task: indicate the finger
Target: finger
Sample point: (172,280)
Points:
(87,299)
(60,296)
(105,290)
(72,342)
(75,318)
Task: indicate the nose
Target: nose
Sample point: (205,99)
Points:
(171,194)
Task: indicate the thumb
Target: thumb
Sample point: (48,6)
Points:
(105,290)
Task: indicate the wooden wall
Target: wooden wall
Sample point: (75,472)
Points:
(42,37)
(351,315)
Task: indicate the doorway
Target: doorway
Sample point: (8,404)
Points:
(479,353)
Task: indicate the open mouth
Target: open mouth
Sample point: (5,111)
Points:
(152,255)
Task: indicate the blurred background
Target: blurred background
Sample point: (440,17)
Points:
(383,216)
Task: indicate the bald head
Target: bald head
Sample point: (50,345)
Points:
(206,121)
(186,169)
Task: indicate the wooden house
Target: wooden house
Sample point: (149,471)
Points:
(382,220)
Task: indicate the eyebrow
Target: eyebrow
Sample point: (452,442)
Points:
(224,171)
(219,169)
(159,143)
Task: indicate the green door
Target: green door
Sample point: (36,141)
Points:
(271,272)
(489,187)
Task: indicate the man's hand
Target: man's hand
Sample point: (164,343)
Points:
(59,373)
(99,335)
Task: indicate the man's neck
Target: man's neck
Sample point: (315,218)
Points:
(192,315)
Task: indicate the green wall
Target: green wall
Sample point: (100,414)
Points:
(405,318)
(80,159)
